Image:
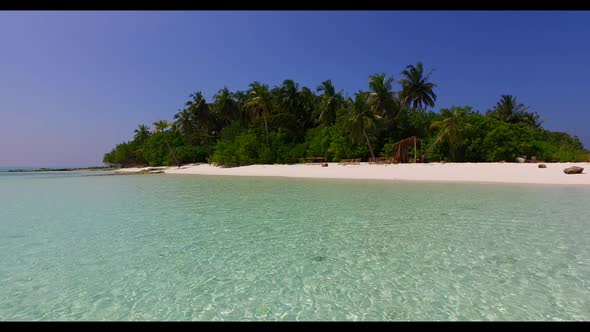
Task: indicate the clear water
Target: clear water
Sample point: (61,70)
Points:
(177,247)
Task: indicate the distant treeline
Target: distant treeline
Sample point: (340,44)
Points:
(286,123)
(47,169)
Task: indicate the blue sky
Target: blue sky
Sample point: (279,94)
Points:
(73,84)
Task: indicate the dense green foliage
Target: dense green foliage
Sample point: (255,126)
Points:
(287,123)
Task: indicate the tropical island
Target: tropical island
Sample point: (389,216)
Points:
(297,182)
(290,124)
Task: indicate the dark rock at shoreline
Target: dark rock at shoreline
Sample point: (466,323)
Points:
(325,165)
(573,170)
(542,166)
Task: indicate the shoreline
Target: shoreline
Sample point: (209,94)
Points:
(484,173)
(45,169)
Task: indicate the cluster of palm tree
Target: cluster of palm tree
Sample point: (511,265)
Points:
(369,108)
(509,110)
(298,109)
(200,120)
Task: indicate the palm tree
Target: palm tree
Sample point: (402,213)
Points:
(226,106)
(381,99)
(259,102)
(297,102)
(184,122)
(450,128)
(142,132)
(330,102)
(508,109)
(241,97)
(160,127)
(532,119)
(289,96)
(417,92)
(199,110)
(307,105)
(362,118)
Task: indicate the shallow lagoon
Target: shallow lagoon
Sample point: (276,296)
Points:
(182,247)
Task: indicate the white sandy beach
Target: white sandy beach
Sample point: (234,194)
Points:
(451,172)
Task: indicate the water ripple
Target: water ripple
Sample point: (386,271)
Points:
(223,248)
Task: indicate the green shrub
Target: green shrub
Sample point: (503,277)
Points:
(297,153)
(242,150)
(319,142)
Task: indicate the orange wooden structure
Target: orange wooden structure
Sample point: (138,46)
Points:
(401,147)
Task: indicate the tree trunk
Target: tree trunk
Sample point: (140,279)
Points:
(369,144)
(266,128)
(415,150)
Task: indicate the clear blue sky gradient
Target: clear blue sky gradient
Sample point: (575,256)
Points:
(74,84)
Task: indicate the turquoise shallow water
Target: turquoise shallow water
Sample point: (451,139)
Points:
(177,247)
